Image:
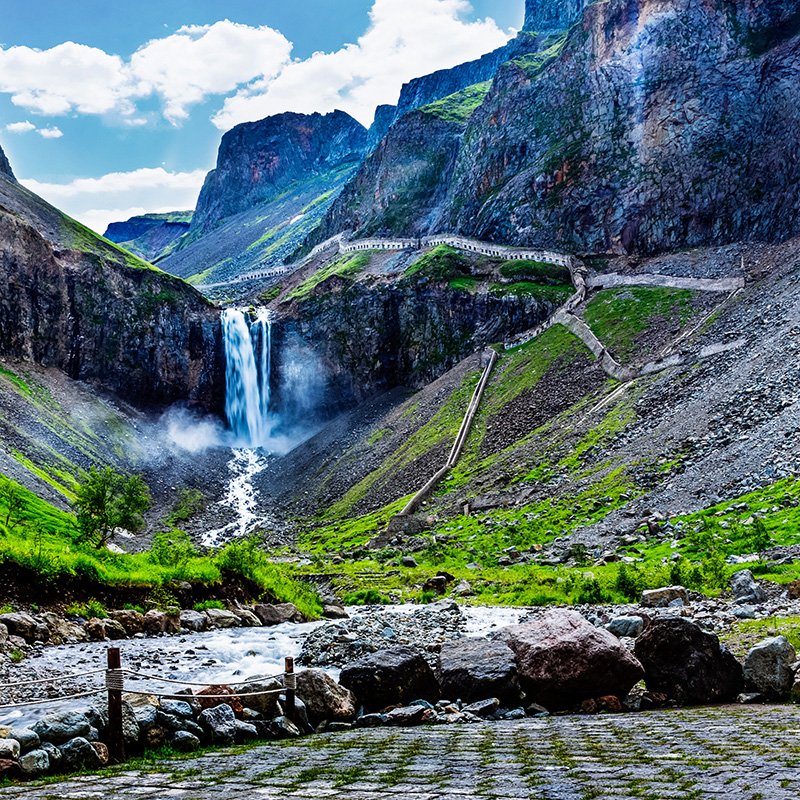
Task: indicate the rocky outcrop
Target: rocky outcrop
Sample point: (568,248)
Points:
(257,160)
(768,668)
(5,167)
(150,236)
(549,15)
(562,659)
(686,663)
(654,125)
(385,115)
(477,669)
(70,300)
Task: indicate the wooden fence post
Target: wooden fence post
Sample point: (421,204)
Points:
(116,740)
(290,688)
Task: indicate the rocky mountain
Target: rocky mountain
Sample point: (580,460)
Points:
(71,300)
(258,160)
(150,236)
(547,15)
(651,125)
(5,167)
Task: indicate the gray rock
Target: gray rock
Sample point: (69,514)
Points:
(265,704)
(746,589)
(483,708)
(405,716)
(222,618)
(156,622)
(334,612)
(54,754)
(768,668)
(78,753)
(283,728)
(35,763)
(369,721)
(324,698)
(247,618)
(744,612)
(477,669)
(661,598)
(62,726)
(114,629)
(245,731)
(28,739)
(277,614)
(130,722)
(10,748)
(220,723)
(185,742)
(409,561)
(194,621)
(146,717)
(629,627)
(177,708)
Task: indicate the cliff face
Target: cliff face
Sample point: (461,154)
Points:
(656,124)
(257,160)
(552,15)
(150,236)
(72,301)
(5,167)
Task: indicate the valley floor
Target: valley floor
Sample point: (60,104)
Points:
(731,752)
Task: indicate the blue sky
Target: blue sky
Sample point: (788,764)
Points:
(113,108)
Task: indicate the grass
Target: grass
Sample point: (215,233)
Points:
(536,271)
(44,543)
(616,316)
(460,106)
(535,63)
(442,263)
(346,266)
(16,380)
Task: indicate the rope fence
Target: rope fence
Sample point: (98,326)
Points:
(114,675)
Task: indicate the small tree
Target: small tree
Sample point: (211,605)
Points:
(107,501)
(761,540)
(11,498)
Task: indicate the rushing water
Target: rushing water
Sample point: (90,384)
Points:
(248,367)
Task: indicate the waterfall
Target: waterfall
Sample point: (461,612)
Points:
(247,392)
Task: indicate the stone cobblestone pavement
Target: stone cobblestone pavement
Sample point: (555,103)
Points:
(731,753)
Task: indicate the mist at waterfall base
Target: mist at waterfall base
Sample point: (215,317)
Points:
(254,420)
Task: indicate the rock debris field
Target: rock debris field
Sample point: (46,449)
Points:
(724,752)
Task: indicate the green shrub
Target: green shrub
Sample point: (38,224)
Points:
(172,548)
(206,604)
(366,597)
(131,607)
(715,571)
(189,503)
(16,655)
(88,610)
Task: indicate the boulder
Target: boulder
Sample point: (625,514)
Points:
(9,748)
(661,598)
(185,742)
(222,618)
(177,708)
(628,627)
(746,589)
(245,732)
(78,753)
(156,622)
(194,621)
(408,561)
(25,626)
(277,614)
(62,726)
(247,618)
(114,629)
(406,715)
(477,669)
(282,728)
(686,663)
(330,611)
(131,620)
(3,633)
(102,752)
(214,699)
(562,659)
(389,677)
(130,722)
(28,739)
(768,668)
(35,763)
(54,754)
(265,704)
(95,630)
(62,630)
(9,768)
(483,708)
(324,698)
(219,723)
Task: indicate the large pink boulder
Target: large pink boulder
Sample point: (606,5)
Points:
(562,659)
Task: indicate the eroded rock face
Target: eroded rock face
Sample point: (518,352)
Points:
(478,669)
(686,663)
(5,167)
(390,677)
(562,659)
(257,160)
(548,15)
(71,301)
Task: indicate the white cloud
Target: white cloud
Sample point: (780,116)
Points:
(97,201)
(50,133)
(198,61)
(20,127)
(406,39)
